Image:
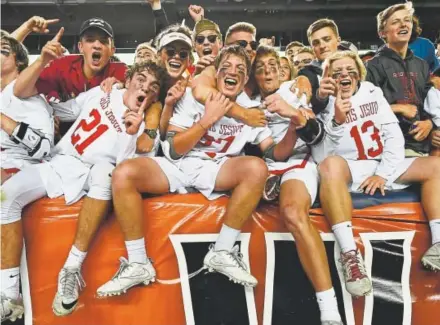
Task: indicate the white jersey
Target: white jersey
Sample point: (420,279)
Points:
(363,137)
(278,124)
(227,137)
(432,105)
(34,111)
(98,134)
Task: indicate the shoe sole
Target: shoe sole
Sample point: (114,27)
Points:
(269,193)
(232,279)
(14,317)
(429,266)
(124,291)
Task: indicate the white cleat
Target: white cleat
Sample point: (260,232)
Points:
(229,264)
(357,282)
(272,188)
(70,283)
(128,275)
(11,309)
(431,259)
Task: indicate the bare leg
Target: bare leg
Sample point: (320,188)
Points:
(246,177)
(130,179)
(294,207)
(12,244)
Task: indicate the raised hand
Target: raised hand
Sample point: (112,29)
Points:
(133,120)
(196,12)
(39,24)
(53,49)
(327,86)
(342,107)
(215,108)
(175,93)
(203,62)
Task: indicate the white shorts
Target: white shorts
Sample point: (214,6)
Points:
(176,178)
(202,174)
(362,169)
(304,170)
(69,176)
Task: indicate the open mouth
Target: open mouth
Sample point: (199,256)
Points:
(345,84)
(231,82)
(403,32)
(140,99)
(96,56)
(207,51)
(174,64)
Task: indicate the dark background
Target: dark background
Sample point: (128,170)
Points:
(288,20)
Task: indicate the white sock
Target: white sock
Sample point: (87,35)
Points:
(344,235)
(226,239)
(75,258)
(328,305)
(435,230)
(10,282)
(136,251)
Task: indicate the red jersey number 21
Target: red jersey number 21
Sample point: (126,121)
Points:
(89,125)
(367,126)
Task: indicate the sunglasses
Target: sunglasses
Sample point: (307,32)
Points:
(5,52)
(201,39)
(183,54)
(352,74)
(244,44)
(305,61)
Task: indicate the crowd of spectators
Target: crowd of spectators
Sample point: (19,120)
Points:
(241,120)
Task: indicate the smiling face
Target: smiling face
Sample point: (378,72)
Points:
(285,70)
(267,74)
(231,75)
(398,28)
(176,56)
(97,48)
(346,74)
(207,42)
(324,42)
(143,84)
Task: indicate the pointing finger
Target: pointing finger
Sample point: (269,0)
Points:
(58,36)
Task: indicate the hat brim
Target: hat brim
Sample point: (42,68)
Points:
(96,27)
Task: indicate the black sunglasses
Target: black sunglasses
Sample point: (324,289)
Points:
(183,54)
(201,39)
(244,44)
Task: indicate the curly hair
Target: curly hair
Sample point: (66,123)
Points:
(151,67)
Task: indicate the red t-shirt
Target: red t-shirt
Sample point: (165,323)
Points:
(64,78)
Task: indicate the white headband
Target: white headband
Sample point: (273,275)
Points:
(174,36)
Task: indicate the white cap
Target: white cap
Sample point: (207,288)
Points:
(173,37)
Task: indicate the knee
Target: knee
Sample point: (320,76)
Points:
(100,180)
(296,217)
(123,174)
(256,170)
(333,167)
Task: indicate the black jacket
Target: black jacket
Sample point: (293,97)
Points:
(403,81)
(313,71)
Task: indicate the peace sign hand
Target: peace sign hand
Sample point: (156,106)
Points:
(133,119)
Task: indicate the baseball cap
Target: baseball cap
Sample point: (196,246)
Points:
(97,23)
(206,24)
(347,46)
